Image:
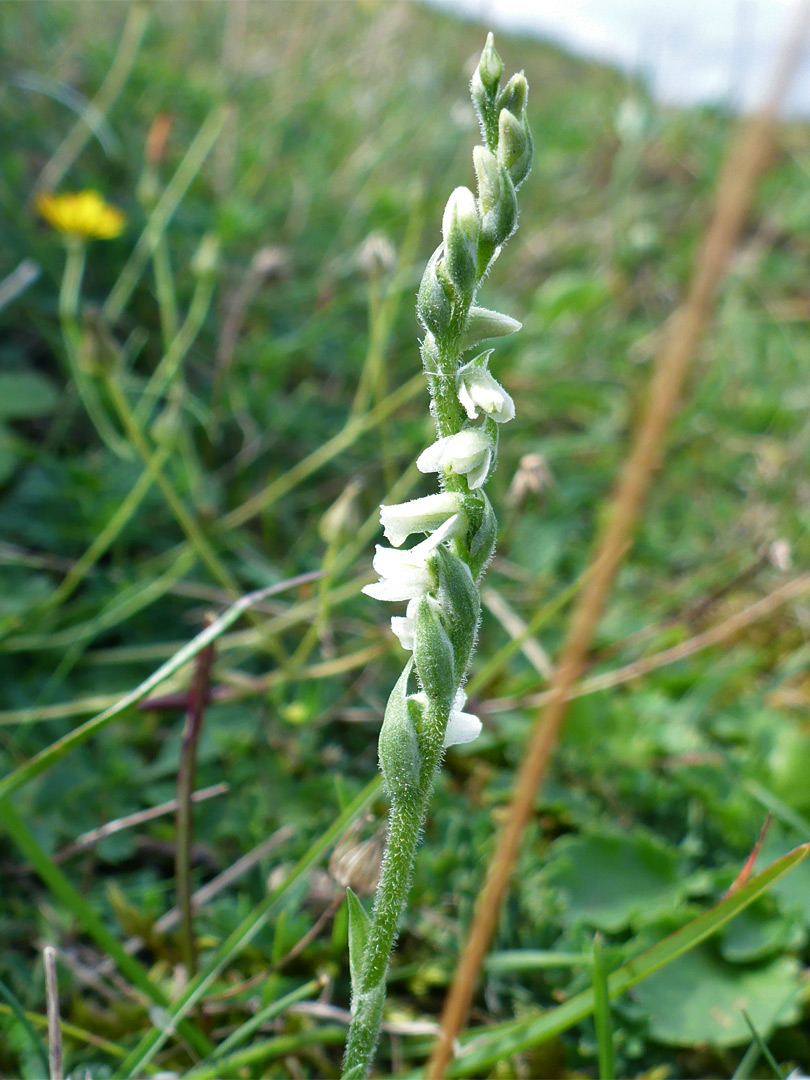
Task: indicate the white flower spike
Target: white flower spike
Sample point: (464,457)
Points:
(421,515)
(477,389)
(404,575)
(468,452)
(439,579)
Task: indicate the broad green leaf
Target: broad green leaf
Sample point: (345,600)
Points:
(612,880)
(700,998)
(759,933)
(493,1044)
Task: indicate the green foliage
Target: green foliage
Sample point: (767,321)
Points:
(613,881)
(700,999)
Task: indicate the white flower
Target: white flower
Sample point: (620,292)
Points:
(421,515)
(461,213)
(468,452)
(404,626)
(404,575)
(462,727)
(478,390)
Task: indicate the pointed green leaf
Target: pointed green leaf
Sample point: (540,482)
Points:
(359,925)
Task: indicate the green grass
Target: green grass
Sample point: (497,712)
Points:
(309,130)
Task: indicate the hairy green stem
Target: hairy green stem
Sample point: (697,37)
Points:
(406,817)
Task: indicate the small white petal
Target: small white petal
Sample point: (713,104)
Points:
(468,452)
(394,590)
(454,526)
(403,574)
(432,459)
(477,476)
(466,449)
(403,629)
(462,727)
(418,515)
(477,389)
(467,401)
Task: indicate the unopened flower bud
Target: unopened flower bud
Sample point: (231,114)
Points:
(514,95)
(514,147)
(496,199)
(489,183)
(400,758)
(433,655)
(483,323)
(483,90)
(432,305)
(204,260)
(460,228)
(490,66)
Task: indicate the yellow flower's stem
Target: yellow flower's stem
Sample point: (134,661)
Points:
(69,292)
(164,374)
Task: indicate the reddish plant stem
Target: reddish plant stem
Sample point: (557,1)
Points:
(197,697)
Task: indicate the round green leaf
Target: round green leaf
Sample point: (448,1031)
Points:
(24,394)
(612,880)
(700,998)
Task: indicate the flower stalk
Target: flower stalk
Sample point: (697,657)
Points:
(439,575)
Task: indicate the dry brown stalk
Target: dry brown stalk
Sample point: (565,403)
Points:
(745,162)
(54,1020)
(705,640)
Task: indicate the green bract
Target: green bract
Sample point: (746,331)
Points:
(438,576)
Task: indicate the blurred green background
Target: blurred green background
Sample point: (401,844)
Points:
(327,137)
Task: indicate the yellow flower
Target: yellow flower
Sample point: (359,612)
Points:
(82,213)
